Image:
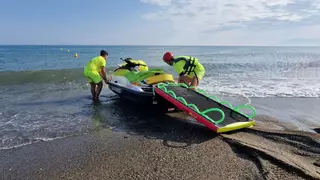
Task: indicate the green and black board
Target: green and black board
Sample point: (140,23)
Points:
(217,115)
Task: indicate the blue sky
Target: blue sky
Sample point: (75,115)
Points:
(160,22)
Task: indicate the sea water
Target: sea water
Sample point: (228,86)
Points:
(43,94)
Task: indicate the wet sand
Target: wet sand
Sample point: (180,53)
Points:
(107,155)
(177,151)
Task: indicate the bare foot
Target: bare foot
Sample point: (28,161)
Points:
(96,99)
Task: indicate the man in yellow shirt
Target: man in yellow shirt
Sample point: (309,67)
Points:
(189,68)
(95,72)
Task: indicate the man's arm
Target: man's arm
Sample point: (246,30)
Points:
(103,74)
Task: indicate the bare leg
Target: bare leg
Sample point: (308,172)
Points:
(194,81)
(93,90)
(98,90)
(185,79)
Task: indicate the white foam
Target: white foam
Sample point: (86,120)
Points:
(26,127)
(275,87)
(32,141)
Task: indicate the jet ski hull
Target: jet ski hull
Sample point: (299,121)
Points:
(133,95)
(124,89)
(137,86)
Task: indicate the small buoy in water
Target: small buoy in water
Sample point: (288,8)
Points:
(68,50)
(61,49)
(75,55)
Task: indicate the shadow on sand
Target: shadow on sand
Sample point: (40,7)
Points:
(267,149)
(148,121)
(297,153)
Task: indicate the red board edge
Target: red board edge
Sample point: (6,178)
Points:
(186,109)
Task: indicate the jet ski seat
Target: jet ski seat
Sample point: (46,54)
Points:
(136,70)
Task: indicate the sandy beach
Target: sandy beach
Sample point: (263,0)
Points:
(184,151)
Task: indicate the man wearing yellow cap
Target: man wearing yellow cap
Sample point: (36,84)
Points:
(95,72)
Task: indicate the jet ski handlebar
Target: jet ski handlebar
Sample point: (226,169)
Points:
(131,64)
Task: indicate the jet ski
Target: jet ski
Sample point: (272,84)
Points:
(133,80)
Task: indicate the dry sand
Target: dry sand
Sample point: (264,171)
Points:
(185,152)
